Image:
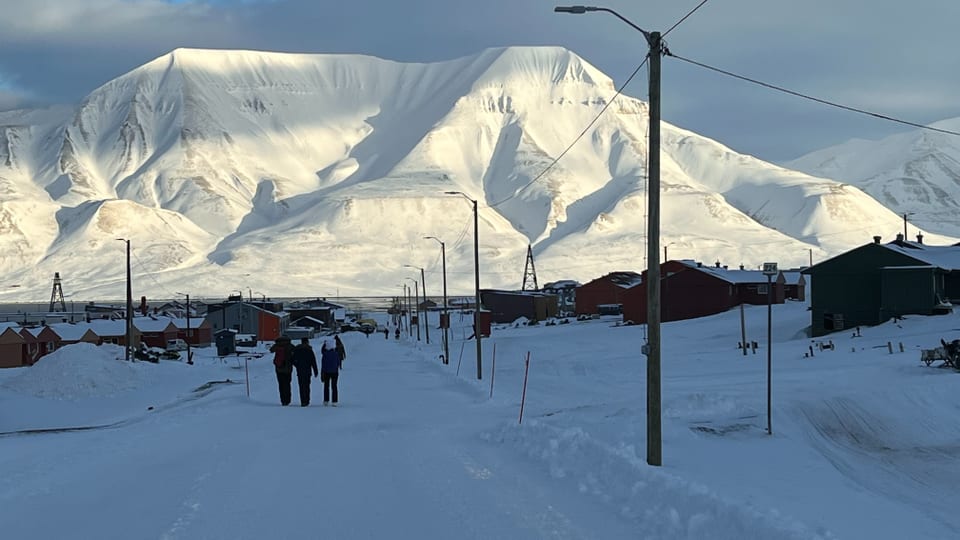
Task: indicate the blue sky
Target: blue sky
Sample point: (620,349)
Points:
(890,57)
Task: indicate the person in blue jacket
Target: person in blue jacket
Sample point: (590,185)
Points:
(330,362)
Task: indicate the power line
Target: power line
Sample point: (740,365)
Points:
(580,136)
(685,17)
(811,98)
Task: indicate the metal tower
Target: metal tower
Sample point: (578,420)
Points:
(57,295)
(529,273)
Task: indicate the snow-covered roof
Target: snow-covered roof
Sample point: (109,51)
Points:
(150,324)
(71,331)
(562,284)
(791,278)
(735,277)
(181,323)
(107,327)
(945,257)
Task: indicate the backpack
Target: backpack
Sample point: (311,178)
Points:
(280,358)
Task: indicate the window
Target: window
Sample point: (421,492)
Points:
(761,289)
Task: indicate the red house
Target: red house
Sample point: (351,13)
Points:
(70,333)
(155,332)
(200,333)
(40,342)
(594,296)
(690,289)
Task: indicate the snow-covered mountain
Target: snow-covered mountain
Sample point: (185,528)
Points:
(917,172)
(295,174)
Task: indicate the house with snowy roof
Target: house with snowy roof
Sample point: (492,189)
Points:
(875,282)
(70,333)
(604,295)
(691,289)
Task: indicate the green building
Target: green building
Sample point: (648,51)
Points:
(876,282)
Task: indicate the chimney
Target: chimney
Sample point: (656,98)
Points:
(724,267)
(900,238)
(876,239)
(699,264)
(919,238)
(741,267)
(718,264)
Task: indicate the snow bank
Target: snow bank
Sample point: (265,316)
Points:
(662,505)
(76,371)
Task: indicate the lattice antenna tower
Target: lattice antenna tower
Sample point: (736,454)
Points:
(57,295)
(529,273)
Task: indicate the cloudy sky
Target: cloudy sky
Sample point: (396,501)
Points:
(896,58)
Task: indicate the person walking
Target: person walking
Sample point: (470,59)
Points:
(282,351)
(306,363)
(330,362)
(341,350)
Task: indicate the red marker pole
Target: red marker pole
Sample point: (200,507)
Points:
(523,397)
(246,367)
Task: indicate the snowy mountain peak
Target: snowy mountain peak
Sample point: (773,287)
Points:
(304,173)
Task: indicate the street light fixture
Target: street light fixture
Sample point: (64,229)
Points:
(652,348)
(416,303)
(446,314)
(426,317)
(129,332)
(476,277)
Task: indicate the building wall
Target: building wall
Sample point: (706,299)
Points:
(845,291)
(597,292)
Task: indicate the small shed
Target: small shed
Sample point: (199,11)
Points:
(226,341)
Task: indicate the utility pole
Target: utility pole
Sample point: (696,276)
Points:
(476,277)
(769,270)
(426,318)
(189,352)
(129,332)
(652,347)
(654,433)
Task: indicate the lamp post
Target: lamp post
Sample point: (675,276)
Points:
(241,309)
(127,337)
(416,303)
(476,278)
(652,348)
(189,332)
(446,315)
(426,317)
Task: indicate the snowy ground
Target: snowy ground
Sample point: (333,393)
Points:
(864,441)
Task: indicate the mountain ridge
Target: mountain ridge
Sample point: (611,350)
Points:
(308,173)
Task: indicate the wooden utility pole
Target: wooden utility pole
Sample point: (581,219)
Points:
(654,434)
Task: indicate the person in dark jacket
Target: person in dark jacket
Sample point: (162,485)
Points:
(329,369)
(341,350)
(306,363)
(282,351)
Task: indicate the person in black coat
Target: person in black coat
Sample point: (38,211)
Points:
(283,365)
(306,363)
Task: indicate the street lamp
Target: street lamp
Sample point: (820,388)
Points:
(446,315)
(769,270)
(189,332)
(476,277)
(129,332)
(426,317)
(652,348)
(416,302)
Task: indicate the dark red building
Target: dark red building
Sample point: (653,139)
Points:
(689,290)
(604,291)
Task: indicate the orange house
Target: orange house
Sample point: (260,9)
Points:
(12,346)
